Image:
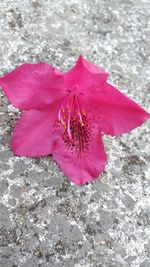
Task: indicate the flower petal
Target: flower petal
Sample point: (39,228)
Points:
(117,113)
(33,86)
(85,76)
(33,136)
(80,167)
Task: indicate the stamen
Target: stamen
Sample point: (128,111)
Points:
(70,111)
(79,111)
(62,109)
(60,117)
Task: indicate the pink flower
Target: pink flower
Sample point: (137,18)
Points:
(64,115)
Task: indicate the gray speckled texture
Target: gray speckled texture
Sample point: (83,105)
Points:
(45,221)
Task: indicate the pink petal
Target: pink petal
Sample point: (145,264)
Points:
(33,136)
(117,113)
(81,166)
(85,76)
(33,86)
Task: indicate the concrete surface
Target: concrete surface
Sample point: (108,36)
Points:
(45,221)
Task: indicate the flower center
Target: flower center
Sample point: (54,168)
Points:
(78,123)
(80,136)
(71,114)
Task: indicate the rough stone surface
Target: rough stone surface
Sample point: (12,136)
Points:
(45,221)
